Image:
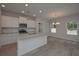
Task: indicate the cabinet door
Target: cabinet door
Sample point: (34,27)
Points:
(8,21)
(22,20)
(31,24)
(25,20)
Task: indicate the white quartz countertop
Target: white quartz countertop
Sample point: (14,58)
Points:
(25,36)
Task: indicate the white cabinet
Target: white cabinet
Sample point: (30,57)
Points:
(8,39)
(8,21)
(30,23)
(22,20)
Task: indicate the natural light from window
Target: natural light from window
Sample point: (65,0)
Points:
(73,32)
(72,28)
(53,30)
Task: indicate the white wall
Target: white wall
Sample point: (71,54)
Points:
(0,23)
(62,28)
(0,19)
(44,25)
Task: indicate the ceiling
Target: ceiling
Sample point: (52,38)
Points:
(48,9)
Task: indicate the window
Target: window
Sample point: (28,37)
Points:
(53,29)
(54,24)
(72,28)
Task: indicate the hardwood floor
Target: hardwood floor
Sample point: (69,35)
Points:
(8,50)
(54,47)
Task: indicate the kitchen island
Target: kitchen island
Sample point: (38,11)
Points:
(29,42)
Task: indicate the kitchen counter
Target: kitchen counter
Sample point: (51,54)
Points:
(8,38)
(28,35)
(26,42)
(29,42)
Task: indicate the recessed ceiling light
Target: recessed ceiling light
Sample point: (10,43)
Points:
(40,11)
(22,11)
(34,15)
(3,5)
(26,5)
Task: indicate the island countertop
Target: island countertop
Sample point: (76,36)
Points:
(29,42)
(7,38)
(25,36)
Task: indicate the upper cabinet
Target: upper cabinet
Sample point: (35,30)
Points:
(30,23)
(22,20)
(8,21)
